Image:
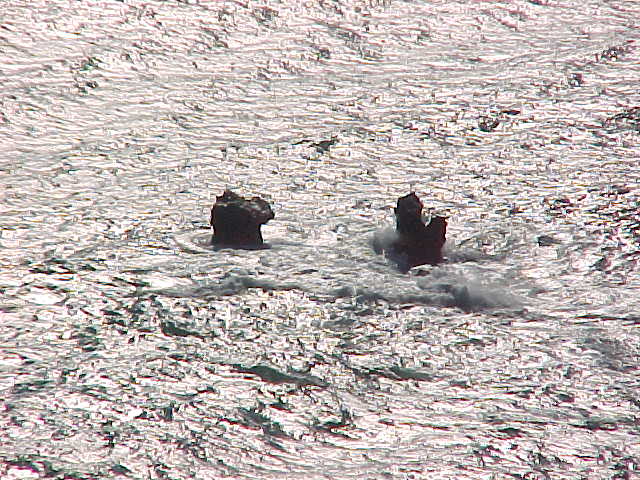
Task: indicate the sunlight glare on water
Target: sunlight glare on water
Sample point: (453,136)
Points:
(130,347)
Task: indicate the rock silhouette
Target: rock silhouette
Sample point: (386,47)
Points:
(236,221)
(414,242)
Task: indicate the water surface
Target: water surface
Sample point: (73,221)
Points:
(130,348)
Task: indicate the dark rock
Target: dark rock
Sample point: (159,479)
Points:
(629,118)
(613,53)
(487,124)
(324,145)
(415,243)
(575,79)
(236,221)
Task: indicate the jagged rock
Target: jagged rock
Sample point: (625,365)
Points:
(414,243)
(236,221)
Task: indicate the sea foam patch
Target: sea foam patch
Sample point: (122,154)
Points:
(447,291)
(383,238)
(466,281)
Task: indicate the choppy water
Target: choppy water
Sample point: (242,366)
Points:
(130,348)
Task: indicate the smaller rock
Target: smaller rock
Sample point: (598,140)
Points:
(236,221)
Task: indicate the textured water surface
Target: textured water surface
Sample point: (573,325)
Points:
(129,347)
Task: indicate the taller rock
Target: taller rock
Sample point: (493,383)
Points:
(416,243)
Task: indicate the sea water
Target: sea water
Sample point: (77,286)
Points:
(129,347)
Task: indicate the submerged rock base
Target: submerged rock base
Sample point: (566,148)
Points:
(414,242)
(236,221)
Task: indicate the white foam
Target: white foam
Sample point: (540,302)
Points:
(383,238)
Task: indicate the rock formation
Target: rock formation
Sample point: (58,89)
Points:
(236,221)
(414,242)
